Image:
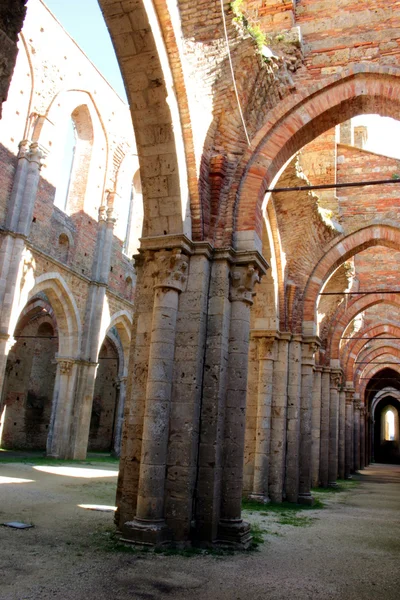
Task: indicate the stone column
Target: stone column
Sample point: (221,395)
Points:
(309,348)
(119,415)
(17,227)
(349,394)
(232,530)
(291,485)
(357,408)
(334,427)
(316,427)
(362,437)
(325,402)
(149,525)
(266,356)
(342,434)
(278,419)
(61,412)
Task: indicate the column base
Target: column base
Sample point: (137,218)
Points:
(259,498)
(305,499)
(332,484)
(234,533)
(146,533)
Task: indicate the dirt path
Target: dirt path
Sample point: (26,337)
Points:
(348,550)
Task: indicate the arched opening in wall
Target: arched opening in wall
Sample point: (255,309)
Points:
(386,434)
(30,375)
(129,206)
(105,399)
(74,161)
(382,397)
(63,248)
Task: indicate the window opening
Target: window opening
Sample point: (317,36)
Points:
(67,165)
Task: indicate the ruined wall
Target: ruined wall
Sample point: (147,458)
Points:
(28,391)
(49,90)
(12,13)
(104,399)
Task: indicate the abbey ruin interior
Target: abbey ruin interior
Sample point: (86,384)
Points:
(205,282)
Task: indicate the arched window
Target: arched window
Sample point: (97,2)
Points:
(389,425)
(67,163)
(74,161)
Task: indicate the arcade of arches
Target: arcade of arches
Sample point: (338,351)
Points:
(265,356)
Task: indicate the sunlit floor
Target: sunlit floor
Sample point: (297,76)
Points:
(348,550)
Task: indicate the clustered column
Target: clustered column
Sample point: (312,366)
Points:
(357,409)
(278,419)
(309,348)
(325,403)
(266,356)
(333,426)
(149,525)
(232,529)
(316,426)
(348,461)
(342,434)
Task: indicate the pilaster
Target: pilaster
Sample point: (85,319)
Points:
(316,427)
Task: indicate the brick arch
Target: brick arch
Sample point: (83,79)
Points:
(298,120)
(371,355)
(342,250)
(151,70)
(122,321)
(381,395)
(353,349)
(65,310)
(347,314)
(361,384)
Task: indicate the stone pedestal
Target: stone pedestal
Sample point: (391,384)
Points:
(335,381)
(149,526)
(325,402)
(278,419)
(309,348)
(316,427)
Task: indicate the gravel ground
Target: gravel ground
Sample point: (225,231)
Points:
(348,550)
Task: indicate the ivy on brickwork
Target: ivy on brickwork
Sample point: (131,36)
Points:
(248,24)
(283,48)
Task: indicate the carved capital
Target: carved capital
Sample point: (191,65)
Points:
(65,365)
(243,280)
(102,213)
(36,154)
(349,395)
(265,348)
(110,215)
(170,269)
(311,345)
(23,149)
(336,379)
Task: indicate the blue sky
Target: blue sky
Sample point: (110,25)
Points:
(90,33)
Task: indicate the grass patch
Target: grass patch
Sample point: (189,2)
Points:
(282,507)
(294,520)
(343,485)
(32,458)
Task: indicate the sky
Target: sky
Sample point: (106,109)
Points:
(91,34)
